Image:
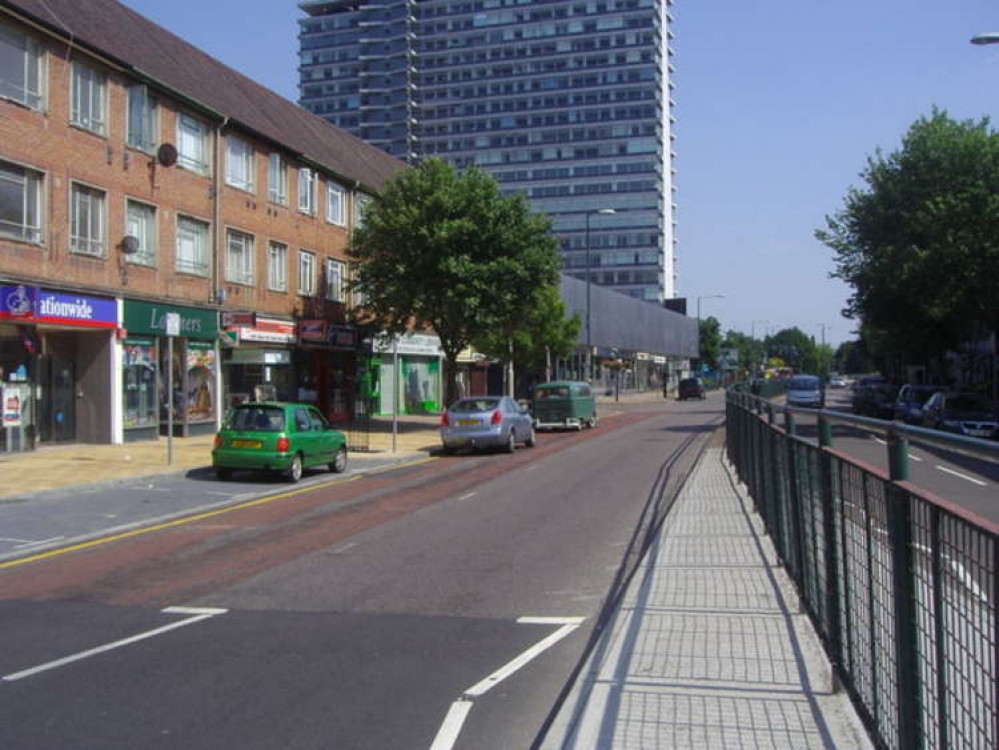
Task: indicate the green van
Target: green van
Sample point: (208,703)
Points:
(564,404)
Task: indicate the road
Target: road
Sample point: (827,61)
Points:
(967,481)
(442,604)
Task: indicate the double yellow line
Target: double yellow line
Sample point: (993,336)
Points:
(199,517)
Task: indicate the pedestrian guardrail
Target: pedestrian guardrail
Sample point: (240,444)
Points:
(901,585)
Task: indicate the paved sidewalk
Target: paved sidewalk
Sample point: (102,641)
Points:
(708,648)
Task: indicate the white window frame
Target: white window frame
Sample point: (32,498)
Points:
(89,98)
(240,163)
(306,273)
(27,225)
(277,179)
(141,222)
(198,231)
(306,191)
(336,271)
(239,252)
(336,204)
(192,144)
(27,85)
(277,266)
(361,200)
(88,220)
(142,119)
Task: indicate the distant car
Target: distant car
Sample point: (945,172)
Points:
(909,402)
(875,400)
(566,404)
(971,414)
(690,388)
(486,422)
(837,381)
(806,390)
(277,436)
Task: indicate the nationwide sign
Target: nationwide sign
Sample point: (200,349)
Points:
(30,304)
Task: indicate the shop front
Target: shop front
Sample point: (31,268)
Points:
(196,374)
(257,365)
(55,367)
(410,374)
(328,366)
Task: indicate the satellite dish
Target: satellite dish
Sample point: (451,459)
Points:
(130,244)
(166,154)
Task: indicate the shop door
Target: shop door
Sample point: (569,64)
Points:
(59,400)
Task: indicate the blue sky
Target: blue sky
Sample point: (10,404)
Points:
(778,105)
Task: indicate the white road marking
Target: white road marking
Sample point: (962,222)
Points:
(12,539)
(344,548)
(198,614)
(879,440)
(447,735)
(40,541)
(962,476)
(467,496)
(532,467)
(913,457)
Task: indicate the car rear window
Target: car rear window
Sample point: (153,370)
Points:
(473,405)
(803,384)
(257,418)
(560,391)
(687,382)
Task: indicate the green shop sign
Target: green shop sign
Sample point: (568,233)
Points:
(150,318)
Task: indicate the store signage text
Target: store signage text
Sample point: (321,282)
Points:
(33,305)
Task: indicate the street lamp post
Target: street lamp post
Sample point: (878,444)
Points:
(706,296)
(589,351)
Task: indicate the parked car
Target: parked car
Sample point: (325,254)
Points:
(837,381)
(277,436)
(690,388)
(909,402)
(566,404)
(971,414)
(806,390)
(875,400)
(486,422)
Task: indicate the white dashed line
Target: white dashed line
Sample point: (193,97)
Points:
(467,496)
(958,474)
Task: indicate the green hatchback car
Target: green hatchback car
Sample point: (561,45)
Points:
(566,404)
(276,436)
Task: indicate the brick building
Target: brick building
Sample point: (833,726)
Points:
(140,177)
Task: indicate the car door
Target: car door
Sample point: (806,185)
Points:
(304,438)
(325,437)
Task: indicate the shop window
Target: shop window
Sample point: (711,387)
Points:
(139,371)
(87,224)
(20,203)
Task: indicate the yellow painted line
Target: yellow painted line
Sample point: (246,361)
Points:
(200,517)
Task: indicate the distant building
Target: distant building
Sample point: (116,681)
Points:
(566,101)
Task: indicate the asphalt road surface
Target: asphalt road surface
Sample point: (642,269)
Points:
(440,605)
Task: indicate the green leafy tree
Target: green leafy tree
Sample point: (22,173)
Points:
(751,352)
(444,249)
(539,333)
(710,341)
(796,348)
(919,243)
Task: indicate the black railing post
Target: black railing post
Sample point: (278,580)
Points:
(774,493)
(907,687)
(832,592)
(796,550)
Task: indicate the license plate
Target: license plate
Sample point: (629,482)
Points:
(468,422)
(246,444)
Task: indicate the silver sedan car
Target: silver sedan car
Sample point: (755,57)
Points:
(486,422)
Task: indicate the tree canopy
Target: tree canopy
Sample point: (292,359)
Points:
(710,340)
(919,244)
(444,249)
(796,349)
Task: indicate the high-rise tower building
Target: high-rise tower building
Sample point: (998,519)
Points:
(567,101)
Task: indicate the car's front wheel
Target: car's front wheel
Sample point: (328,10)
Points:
(294,472)
(339,463)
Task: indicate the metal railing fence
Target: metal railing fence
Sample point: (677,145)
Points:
(901,585)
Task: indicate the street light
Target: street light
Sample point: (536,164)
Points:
(604,212)
(706,296)
(752,328)
(991,37)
